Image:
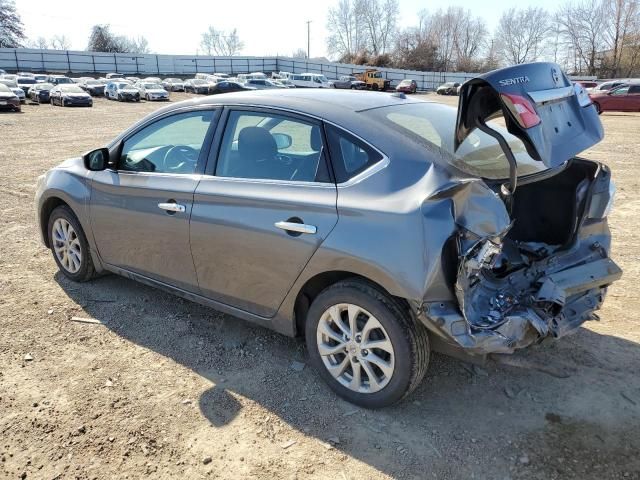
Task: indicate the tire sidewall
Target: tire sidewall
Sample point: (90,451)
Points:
(85,264)
(400,381)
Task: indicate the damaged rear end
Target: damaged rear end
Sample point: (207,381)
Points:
(540,268)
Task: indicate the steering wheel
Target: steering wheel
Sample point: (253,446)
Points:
(178,156)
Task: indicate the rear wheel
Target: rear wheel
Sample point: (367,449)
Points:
(364,345)
(69,245)
(374,87)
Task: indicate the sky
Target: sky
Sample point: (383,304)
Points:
(275,27)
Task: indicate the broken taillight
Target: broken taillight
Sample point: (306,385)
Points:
(522,109)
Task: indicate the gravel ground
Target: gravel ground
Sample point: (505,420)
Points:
(169,389)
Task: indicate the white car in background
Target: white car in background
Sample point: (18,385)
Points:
(13,86)
(309,80)
(152,91)
(173,84)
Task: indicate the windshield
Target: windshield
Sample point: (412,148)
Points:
(43,86)
(123,85)
(152,86)
(26,81)
(93,82)
(63,80)
(71,89)
(405,82)
(479,154)
(198,82)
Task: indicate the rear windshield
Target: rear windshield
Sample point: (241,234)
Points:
(479,155)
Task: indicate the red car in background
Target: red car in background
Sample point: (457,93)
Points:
(624,98)
(407,86)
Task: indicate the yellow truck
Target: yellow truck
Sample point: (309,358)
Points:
(373,79)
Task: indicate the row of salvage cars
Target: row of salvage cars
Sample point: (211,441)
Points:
(377,226)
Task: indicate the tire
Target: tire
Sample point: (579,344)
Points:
(409,357)
(51,101)
(374,87)
(119,97)
(598,108)
(78,243)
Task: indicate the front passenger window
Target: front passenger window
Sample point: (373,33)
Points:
(170,145)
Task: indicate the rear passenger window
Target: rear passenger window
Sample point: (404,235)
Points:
(349,155)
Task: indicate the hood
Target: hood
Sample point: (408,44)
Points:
(155,90)
(552,117)
(7,95)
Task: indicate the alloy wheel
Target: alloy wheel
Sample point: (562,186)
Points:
(355,348)
(66,245)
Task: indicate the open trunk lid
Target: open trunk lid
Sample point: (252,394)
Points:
(554,118)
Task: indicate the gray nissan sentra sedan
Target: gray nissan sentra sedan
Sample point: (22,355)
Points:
(380,227)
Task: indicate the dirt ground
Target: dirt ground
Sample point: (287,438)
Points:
(164,388)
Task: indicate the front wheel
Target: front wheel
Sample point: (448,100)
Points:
(365,345)
(69,245)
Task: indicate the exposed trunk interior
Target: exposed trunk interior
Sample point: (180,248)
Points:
(547,211)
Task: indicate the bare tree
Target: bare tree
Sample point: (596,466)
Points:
(470,40)
(380,22)
(346,30)
(622,31)
(40,43)
(299,53)
(60,42)
(11,28)
(219,42)
(521,34)
(583,25)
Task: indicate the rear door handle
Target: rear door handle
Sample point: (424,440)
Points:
(296,227)
(172,207)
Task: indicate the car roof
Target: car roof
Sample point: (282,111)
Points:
(329,104)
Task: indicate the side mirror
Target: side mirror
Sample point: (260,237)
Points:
(282,140)
(96,160)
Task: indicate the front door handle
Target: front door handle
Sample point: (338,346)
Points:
(296,227)
(172,207)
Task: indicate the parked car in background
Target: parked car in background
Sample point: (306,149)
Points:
(197,85)
(25,74)
(40,77)
(9,76)
(226,86)
(8,99)
(481,267)
(69,96)
(39,93)
(606,86)
(448,88)
(309,80)
(122,91)
(262,84)
(133,80)
(93,87)
(2,72)
(407,86)
(151,91)
(151,80)
(251,76)
(623,98)
(114,76)
(58,79)
(13,86)
(173,85)
(25,83)
(586,84)
(285,82)
(349,82)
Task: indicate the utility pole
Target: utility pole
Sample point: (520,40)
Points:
(308,39)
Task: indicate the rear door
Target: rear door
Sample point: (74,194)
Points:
(262,209)
(634,98)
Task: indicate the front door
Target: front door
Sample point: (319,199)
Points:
(140,212)
(260,216)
